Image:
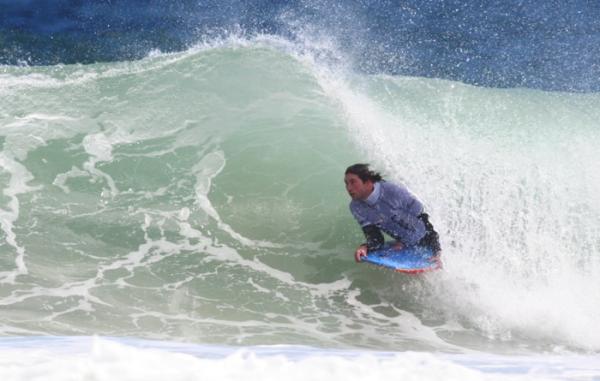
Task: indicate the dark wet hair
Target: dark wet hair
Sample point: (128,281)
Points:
(363,172)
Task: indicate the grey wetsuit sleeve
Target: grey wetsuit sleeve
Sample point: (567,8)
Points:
(374,237)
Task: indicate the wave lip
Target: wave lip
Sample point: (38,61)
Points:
(495,45)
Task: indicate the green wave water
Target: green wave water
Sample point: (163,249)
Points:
(198,197)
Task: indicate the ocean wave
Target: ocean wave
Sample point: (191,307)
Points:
(198,196)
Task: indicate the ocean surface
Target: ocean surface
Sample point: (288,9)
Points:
(174,208)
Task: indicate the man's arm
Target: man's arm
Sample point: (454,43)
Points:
(374,237)
(374,241)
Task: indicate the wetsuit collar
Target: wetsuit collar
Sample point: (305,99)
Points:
(374,196)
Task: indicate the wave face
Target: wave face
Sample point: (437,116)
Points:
(198,196)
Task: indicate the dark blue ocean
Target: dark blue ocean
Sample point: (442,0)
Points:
(172,203)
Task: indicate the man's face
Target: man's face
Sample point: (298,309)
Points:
(358,189)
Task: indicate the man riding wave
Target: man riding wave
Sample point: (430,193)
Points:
(380,206)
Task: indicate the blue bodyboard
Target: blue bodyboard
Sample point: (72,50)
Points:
(411,260)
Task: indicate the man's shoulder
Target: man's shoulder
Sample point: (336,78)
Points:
(386,185)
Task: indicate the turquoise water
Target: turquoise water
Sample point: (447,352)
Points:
(198,197)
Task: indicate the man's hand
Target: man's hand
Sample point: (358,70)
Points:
(360,252)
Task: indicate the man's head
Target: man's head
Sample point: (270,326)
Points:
(360,181)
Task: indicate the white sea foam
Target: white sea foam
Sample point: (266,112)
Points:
(19,177)
(125,359)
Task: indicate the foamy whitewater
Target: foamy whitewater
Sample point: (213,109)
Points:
(183,216)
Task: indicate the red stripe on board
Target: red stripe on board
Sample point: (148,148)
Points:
(420,271)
